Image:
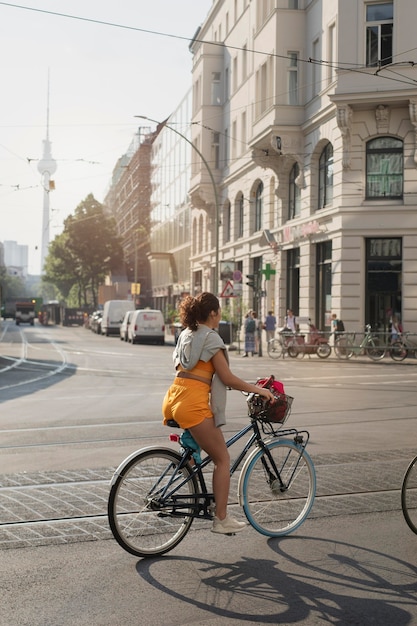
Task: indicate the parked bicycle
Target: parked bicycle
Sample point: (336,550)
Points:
(409,495)
(371,346)
(278,346)
(156,493)
(402,347)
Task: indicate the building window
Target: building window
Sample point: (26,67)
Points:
(234,140)
(323,283)
(243,131)
(244,63)
(215,150)
(384,168)
(226,84)
(293,78)
(216,88)
(379,27)
(326,177)
(332,56)
(265,86)
(239,215)
(316,68)
(235,75)
(292,300)
(226,222)
(226,147)
(259,206)
(294,194)
(383,290)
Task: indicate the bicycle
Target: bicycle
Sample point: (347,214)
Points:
(409,495)
(278,346)
(156,493)
(345,348)
(403,347)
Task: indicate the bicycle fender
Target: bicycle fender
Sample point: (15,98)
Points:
(128,459)
(249,460)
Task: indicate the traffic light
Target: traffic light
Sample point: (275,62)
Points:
(252,281)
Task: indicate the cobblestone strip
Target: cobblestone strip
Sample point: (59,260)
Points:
(71,506)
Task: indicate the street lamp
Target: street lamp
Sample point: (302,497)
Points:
(216,197)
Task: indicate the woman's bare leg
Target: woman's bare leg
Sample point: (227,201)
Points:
(212,441)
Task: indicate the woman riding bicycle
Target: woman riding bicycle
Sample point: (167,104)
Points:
(197,398)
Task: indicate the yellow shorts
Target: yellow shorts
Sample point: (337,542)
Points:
(187,402)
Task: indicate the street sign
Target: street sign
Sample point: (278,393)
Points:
(227,290)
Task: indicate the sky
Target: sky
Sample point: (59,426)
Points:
(100,77)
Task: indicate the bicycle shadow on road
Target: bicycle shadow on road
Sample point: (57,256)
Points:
(340,584)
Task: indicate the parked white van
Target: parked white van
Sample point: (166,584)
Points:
(113,314)
(147,325)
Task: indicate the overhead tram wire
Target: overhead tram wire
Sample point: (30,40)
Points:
(339,65)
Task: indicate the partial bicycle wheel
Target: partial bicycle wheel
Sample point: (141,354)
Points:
(343,348)
(275,349)
(398,351)
(142,514)
(374,349)
(272,508)
(409,495)
(324,350)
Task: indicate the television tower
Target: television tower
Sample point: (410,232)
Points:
(46,167)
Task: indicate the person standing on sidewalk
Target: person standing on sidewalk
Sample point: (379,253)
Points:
(270,326)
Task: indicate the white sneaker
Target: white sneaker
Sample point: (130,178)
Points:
(227,526)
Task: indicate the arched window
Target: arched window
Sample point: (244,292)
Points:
(326,177)
(259,206)
(294,193)
(239,215)
(384,168)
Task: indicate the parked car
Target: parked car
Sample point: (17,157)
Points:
(124,328)
(113,315)
(147,325)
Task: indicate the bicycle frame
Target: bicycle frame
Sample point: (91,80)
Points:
(181,505)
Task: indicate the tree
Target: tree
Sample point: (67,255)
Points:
(85,252)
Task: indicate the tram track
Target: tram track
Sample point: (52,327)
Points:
(71,505)
(22,363)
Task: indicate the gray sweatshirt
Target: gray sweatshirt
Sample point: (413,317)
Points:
(202,345)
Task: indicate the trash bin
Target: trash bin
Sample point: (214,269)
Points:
(226,332)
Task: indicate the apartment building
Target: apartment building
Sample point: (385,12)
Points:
(169,255)
(305,116)
(128,200)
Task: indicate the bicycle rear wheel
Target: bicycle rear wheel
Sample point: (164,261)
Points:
(275,349)
(409,495)
(271,508)
(374,350)
(141,516)
(398,351)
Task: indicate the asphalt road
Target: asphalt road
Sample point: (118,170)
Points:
(73,405)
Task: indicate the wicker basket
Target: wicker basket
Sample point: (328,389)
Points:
(276,413)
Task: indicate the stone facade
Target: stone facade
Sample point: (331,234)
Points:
(306,114)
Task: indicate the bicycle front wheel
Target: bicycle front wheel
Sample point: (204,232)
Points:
(272,506)
(343,348)
(275,349)
(374,350)
(143,503)
(409,495)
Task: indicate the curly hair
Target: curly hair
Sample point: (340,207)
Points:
(194,311)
